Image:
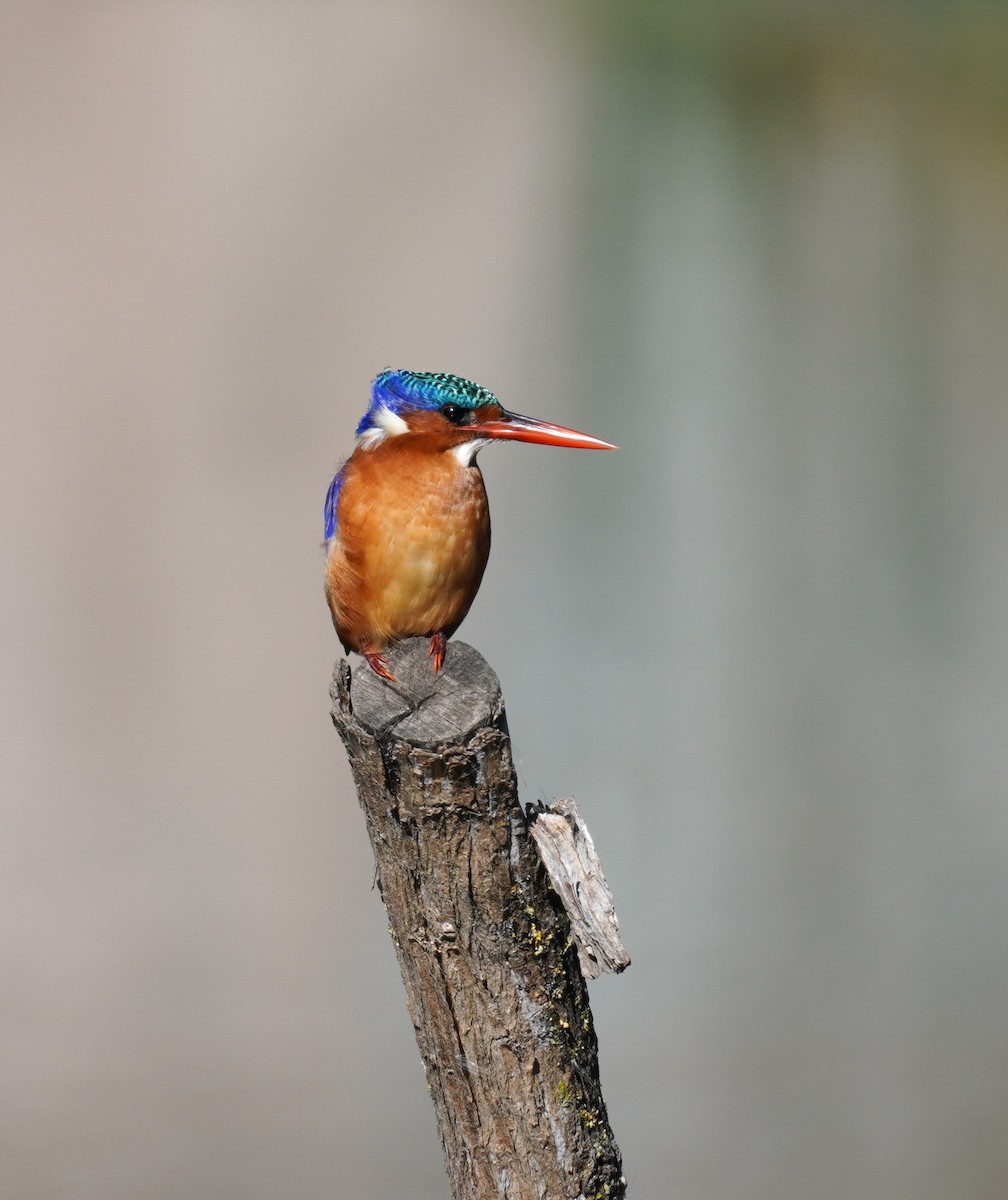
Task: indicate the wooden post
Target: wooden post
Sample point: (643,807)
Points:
(491,971)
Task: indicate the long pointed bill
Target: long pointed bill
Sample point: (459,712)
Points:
(512,427)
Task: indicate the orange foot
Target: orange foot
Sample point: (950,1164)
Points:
(378,665)
(438,646)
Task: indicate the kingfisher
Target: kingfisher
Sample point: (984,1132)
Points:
(407,525)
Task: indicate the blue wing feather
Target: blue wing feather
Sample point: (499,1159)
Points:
(332,496)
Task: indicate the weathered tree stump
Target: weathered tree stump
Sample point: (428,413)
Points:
(491,972)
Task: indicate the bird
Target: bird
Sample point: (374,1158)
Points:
(406,519)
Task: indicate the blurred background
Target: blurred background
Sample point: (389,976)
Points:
(762,247)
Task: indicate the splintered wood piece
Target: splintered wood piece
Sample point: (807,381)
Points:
(568,854)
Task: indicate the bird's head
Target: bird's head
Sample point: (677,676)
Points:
(452,413)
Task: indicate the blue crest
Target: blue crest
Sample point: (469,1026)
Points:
(402,390)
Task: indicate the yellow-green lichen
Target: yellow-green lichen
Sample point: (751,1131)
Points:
(540,941)
(605,1192)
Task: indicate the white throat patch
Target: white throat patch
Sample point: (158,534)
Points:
(467,451)
(386,424)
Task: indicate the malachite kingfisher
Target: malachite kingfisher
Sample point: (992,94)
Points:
(407,526)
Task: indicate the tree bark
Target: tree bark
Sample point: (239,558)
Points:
(491,972)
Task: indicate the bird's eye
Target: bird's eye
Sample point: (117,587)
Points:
(454,413)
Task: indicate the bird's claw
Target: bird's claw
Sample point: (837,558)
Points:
(438,647)
(377,664)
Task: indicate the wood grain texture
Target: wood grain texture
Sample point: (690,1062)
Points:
(491,973)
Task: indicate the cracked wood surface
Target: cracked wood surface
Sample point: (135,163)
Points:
(491,972)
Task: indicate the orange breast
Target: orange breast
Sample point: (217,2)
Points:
(411,544)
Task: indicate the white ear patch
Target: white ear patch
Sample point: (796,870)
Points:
(386,424)
(467,451)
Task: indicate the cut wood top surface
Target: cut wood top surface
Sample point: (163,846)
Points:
(424,709)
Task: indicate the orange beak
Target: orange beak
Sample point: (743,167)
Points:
(512,427)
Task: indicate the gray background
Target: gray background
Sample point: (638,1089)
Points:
(764,249)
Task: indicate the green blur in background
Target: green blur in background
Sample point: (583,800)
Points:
(764,248)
